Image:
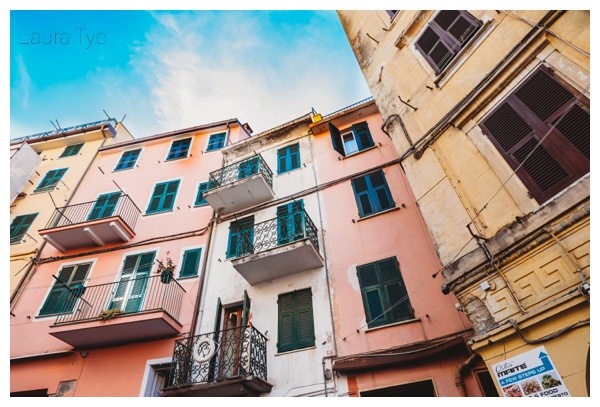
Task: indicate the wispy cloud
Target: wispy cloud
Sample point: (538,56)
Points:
(23,80)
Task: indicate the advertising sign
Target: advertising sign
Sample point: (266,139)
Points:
(531,374)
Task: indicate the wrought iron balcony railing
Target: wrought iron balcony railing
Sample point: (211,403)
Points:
(104,207)
(240,170)
(219,355)
(125,297)
(273,233)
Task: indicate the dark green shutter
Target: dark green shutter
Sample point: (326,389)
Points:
(60,298)
(135,273)
(373,298)
(241,237)
(104,206)
(202,187)
(336,139)
(285,338)
(163,196)
(305,335)
(71,150)
(50,180)
(362,135)
(395,290)
(191,261)
(290,222)
(246,309)
(20,225)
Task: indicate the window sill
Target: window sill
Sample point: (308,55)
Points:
(395,208)
(408,321)
(295,350)
(360,152)
(202,205)
(214,149)
(187,278)
(176,159)
(42,192)
(157,213)
(123,169)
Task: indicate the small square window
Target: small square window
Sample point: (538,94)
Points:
(179,149)
(372,193)
(51,179)
(191,262)
(71,150)
(163,197)
(19,226)
(352,140)
(128,159)
(288,158)
(216,141)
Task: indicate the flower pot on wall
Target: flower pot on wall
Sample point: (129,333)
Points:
(166,276)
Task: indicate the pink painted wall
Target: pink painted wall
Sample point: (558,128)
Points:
(186,224)
(401,233)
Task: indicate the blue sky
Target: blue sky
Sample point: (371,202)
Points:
(173,69)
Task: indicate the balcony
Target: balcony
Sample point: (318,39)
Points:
(127,311)
(277,247)
(240,185)
(109,219)
(227,363)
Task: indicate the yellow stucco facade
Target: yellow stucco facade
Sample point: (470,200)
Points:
(516,258)
(24,251)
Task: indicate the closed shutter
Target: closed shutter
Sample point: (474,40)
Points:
(60,299)
(290,222)
(20,225)
(50,180)
(336,139)
(304,316)
(381,191)
(294,156)
(191,261)
(246,310)
(241,237)
(282,160)
(104,206)
(203,187)
(373,298)
(71,150)
(156,197)
(126,275)
(396,292)
(163,196)
(170,195)
(140,281)
(362,135)
(517,126)
(285,338)
(128,159)
(361,193)
(248,168)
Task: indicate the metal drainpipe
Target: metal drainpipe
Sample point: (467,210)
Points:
(326,268)
(27,276)
(461,370)
(199,311)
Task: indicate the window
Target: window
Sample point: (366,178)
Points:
(105,206)
(241,237)
(383,292)
(216,141)
(179,149)
(248,167)
(445,36)
(288,158)
(129,295)
(296,326)
(50,180)
(290,222)
(71,150)
(163,197)
(202,187)
(352,140)
(128,159)
(372,193)
(391,13)
(19,226)
(543,105)
(191,261)
(66,289)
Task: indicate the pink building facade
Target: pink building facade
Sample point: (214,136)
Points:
(96,318)
(396,333)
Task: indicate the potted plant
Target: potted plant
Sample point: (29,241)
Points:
(166,269)
(110,313)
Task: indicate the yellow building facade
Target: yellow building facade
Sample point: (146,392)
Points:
(66,155)
(490,113)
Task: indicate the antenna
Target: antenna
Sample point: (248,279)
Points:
(54,125)
(106,114)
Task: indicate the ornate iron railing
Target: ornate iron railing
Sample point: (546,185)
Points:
(240,170)
(219,355)
(275,232)
(130,296)
(114,205)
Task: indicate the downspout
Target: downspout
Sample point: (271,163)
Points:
(199,310)
(460,373)
(31,269)
(310,133)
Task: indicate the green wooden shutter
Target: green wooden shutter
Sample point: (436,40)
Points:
(71,150)
(305,332)
(202,187)
(60,298)
(361,193)
(20,225)
(170,195)
(373,296)
(104,206)
(362,135)
(285,337)
(380,193)
(126,275)
(290,222)
(246,309)
(396,292)
(140,282)
(233,242)
(191,262)
(336,139)
(50,180)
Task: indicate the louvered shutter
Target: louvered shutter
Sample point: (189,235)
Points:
(59,293)
(361,193)
(246,309)
(373,298)
(241,237)
(139,283)
(170,195)
(336,139)
(20,225)
(285,338)
(126,276)
(434,50)
(525,117)
(290,222)
(294,151)
(191,261)
(362,135)
(233,243)
(304,319)
(381,192)
(394,288)
(156,197)
(282,160)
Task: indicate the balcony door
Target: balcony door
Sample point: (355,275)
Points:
(130,291)
(290,222)
(248,168)
(105,206)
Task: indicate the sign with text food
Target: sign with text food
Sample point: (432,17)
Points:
(531,374)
